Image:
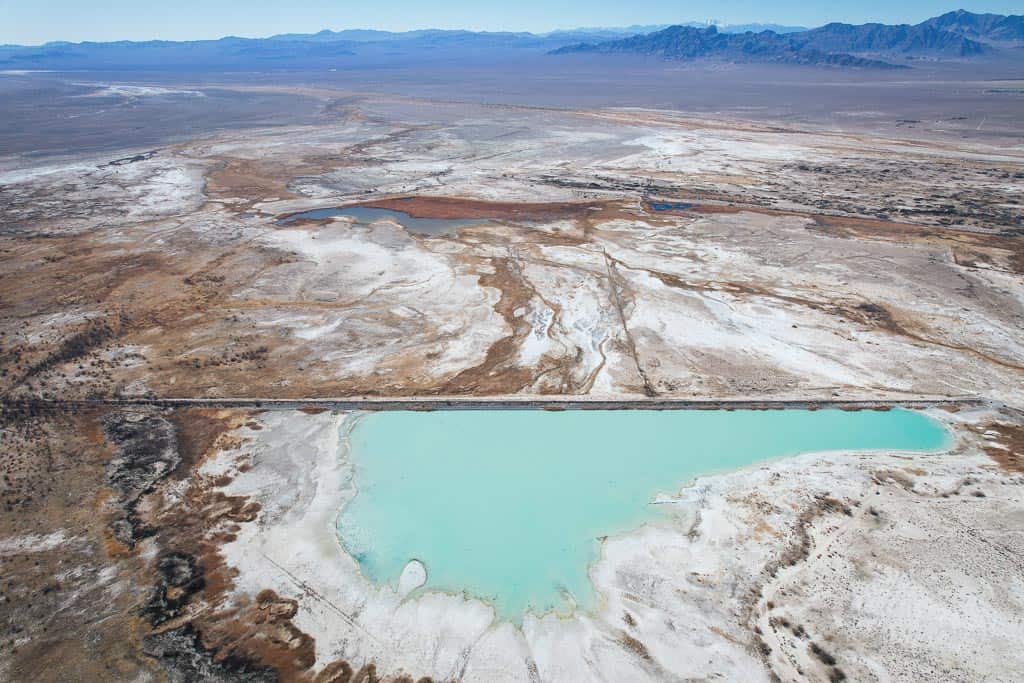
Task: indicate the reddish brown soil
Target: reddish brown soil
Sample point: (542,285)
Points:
(455,208)
(1011,436)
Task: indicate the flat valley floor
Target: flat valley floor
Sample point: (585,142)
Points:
(598,252)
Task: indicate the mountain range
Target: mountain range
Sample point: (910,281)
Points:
(374,36)
(956,35)
(992,28)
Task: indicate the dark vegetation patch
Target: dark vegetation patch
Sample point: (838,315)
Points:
(94,335)
(179,579)
(822,654)
(257,355)
(145,451)
(835,674)
(201,279)
(185,660)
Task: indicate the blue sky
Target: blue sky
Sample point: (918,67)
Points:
(35,21)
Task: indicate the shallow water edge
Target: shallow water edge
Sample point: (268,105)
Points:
(510,507)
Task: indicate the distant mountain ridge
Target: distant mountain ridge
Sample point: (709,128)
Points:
(685,43)
(922,39)
(326,49)
(225,53)
(993,28)
(372,35)
(958,34)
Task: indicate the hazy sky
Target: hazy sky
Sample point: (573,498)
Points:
(35,21)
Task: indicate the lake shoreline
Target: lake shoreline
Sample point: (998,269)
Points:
(713,568)
(506,505)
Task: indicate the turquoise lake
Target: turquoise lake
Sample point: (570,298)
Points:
(508,505)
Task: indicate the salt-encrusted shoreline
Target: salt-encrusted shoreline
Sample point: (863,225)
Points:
(764,571)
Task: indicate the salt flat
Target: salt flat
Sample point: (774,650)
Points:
(598,252)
